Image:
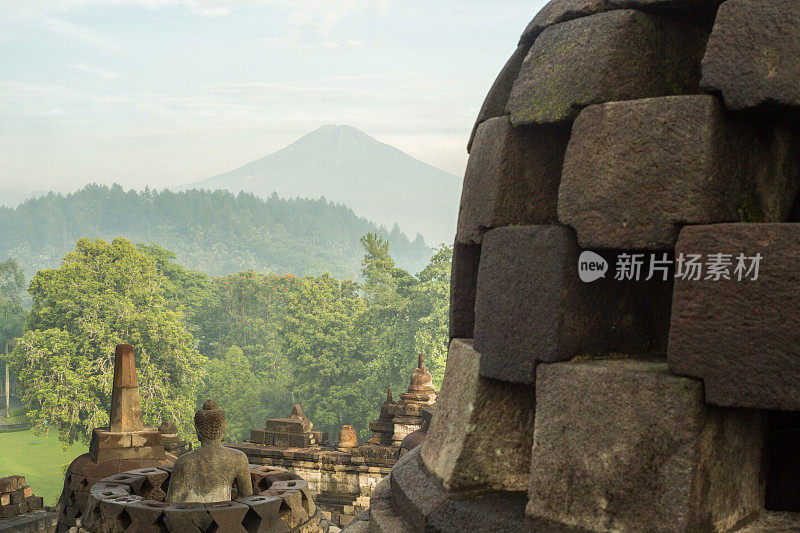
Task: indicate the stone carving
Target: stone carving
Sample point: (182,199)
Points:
(407,413)
(126,502)
(207,474)
(169,437)
(293,432)
(382,428)
(348,439)
(125,445)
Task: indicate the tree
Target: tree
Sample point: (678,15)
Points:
(321,344)
(102,295)
(12,314)
(406,315)
(431,303)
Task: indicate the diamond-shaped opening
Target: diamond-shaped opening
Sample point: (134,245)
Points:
(161,525)
(71,499)
(83,483)
(251,521)
(147,489)
(124,519)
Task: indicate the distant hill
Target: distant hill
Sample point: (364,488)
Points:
(346,165)
(14,197)
(213,232)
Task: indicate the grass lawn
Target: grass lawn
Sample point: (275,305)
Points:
(39,459)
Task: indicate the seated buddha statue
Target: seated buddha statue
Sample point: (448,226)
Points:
(207,474)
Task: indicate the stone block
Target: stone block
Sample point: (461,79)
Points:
(773,522)
(635,171)
(103,438)
(298,441)
(626,446)
(611,56)
(187,517)
(5,498)
(557,11)
(495,103)
(147,437)
(11,483)
(263,514)
(463,282)
(18,496)
(106,455)
(258,436)
(153,486)
(146,515)
(700,12)
(482,432)
(741,337)
(13,509)
(512,178)
(751,58)
(34,503)
(531,305)
(297,426)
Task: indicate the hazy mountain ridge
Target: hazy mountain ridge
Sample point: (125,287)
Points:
(213,232)
(344,164)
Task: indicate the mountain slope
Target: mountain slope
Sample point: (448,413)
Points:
(346,165)
(213,232)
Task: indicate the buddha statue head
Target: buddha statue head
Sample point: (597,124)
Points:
(209,422)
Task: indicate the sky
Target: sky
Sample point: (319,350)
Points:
(168,92)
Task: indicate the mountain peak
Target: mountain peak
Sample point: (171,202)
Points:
(344,164)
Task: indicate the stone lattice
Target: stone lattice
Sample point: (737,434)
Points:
(668,128)
(134,501)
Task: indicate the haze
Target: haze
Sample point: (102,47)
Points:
(163,93)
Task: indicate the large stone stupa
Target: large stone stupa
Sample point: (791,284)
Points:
(624,317)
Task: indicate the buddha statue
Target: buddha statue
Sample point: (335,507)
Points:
(207,474)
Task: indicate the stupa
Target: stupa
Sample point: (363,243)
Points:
(624,320)
(125,445)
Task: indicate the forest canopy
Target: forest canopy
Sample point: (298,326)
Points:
(212,232)
(254,342)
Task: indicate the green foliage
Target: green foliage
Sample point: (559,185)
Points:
(265,341)
(102,295)
(12,314)
(322,345)
(212,232)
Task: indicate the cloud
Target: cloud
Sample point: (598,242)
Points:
(100,72)
(80,33)
(347,44)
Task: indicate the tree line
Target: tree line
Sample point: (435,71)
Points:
(255,342)
(215,232)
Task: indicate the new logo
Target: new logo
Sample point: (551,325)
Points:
(591,267)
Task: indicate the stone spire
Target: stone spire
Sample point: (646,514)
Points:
(126,413)
(407,413)
(297,412)
(421,379)
(126,437)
